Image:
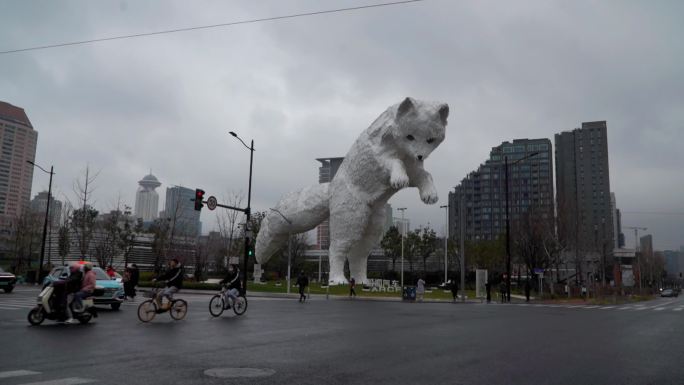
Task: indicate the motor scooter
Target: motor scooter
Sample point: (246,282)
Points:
(49,307)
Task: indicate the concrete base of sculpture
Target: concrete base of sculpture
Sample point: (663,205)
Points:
(386,158)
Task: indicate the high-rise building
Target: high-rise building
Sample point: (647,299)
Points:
(179,209)
(583,189)
(147,199)
(389,221)
(646,245)
(18,139)
(39,205)
(326,173)
(481,195)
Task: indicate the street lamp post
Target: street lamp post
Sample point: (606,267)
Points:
(446,239)
(248,210)
(47,217)
(289,247)
(403,231)
(508,222)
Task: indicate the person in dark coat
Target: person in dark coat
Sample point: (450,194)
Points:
(488,288)
(527,290)
(352,285)
(454,289)
(502,290)
(302,282)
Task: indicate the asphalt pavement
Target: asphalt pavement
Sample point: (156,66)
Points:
(280,341)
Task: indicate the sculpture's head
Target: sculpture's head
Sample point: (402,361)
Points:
(419,127)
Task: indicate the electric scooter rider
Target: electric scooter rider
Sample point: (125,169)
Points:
(73,285)
(232,283)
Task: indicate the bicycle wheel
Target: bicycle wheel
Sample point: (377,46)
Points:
(240,305)
(147,310)
(216,305)
(179,308)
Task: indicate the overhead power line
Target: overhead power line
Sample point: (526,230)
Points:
(229,24)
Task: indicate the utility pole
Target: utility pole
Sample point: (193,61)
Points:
(47,218)
(461,220)
(446,239)
(403,231)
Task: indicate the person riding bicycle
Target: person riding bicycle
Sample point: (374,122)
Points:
(232,282)
(174,282)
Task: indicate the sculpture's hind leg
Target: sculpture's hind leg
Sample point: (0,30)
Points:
(358,256)
(347,229)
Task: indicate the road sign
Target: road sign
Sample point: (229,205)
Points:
(212,202)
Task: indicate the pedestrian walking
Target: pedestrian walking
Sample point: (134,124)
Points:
(352,285)
(128,289)
(488,289)
(420,290)
(502,291)
(302,282)
(527,290)
(454,289)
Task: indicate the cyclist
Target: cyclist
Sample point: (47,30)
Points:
(232,283)
(174,282)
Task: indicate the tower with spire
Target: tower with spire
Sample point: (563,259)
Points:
(147,199)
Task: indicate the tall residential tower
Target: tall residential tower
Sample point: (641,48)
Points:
(18,140)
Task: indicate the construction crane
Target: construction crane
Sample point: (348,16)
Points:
(636,235)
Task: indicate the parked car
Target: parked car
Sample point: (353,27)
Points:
(112,287)
(7,280)
(669,293)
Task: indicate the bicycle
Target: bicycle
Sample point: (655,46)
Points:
(218,303)
(148,309)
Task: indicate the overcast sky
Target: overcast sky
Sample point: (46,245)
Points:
(306,88)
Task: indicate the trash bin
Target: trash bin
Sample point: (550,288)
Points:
(409,293)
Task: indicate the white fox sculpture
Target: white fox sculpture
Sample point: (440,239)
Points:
(387,157)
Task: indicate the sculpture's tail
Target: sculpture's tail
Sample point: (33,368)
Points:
(305,208)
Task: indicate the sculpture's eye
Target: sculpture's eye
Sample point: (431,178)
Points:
(430,140)
(409,137)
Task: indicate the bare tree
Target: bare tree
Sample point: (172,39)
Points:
(83,219)
(26,231)
(227,222)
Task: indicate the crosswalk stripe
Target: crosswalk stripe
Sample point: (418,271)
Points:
(11,305)
(63,381)
(639,307)
(607,307)
(17,373)
(659,308)
(625,308)
(678,309)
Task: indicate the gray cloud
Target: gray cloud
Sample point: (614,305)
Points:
(305,88)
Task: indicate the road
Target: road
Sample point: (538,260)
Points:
(350,342)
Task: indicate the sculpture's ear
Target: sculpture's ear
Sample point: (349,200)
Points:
(405,107)
(444,113)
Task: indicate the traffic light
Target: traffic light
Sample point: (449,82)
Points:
(199,197)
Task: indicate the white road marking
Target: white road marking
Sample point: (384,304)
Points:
(591,307)
(17,373)
(625,308)
(659,308)
(63,381)
(607,307)
(678,309)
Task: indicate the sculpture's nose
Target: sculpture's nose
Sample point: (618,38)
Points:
(420,157)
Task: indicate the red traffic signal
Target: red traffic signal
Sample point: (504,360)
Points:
(199,198)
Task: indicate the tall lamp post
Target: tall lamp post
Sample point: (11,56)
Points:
(47,217)
(446,239)
(508,222)
(403,231)
(289,247)
(248,210)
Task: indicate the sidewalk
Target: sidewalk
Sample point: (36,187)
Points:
(335,297)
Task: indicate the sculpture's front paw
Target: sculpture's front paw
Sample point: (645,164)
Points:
(399,181)
(429,195)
